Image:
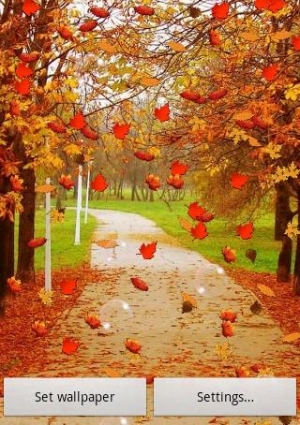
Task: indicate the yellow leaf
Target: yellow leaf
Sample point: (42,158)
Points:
(177,47)
(291,337)
(45,188)
(243,115)
(280,35)
(112,373)
(253,142)
(189,298)
(150,82)
(45,296)
(291,230)
(266,290)
(249,36)
(108,48)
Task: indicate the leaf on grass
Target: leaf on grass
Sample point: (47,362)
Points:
(185,224)
(251,254)
(291,337)
(266,290)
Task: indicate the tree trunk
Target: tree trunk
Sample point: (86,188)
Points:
(7,257)
(285,260)
(296,282)
(282,209)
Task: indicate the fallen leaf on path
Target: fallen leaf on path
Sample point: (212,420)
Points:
(256,307)
(266,290)
(133,345)
(148,250)
(14,285)
(189,298)
(39,327)
(69,346)
(294,336)
(112,373)
(227,329)
(139,283)
(107,243)
(228,315)
(67,286)
(92,320)
(187,307)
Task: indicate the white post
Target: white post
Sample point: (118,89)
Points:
(48,241)
(87,192)
(79,205)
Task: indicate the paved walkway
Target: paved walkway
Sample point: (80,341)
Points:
(173,344)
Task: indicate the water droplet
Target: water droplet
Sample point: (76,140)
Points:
(115,421)
(116,315)
(211,281)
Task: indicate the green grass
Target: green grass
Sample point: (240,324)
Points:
(64,253)
(220,233)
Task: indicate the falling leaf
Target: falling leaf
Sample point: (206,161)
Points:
(45,296)
(238,180)
(30,7)
(291,230)
(189,298)
(227,328)
(77,121)
(66,181)
(185,224)
(121,130)
(148,250)
(249,35)
(199,231)
(245,230)
(67,286)
(88,26)
(100,12)
(187,307)
(176,181)
(276,5)
(23,86)
(16,183)
(256,307)
(220,11)
(150,82)
(107,243)
(14,285)
(178,167)
(99,183)
(266,290)
(269,72)
(36,242)
(144,156)
(217,94)
(294,336)
(280,35)
(242,372)
(14,108)
(23,71)
(57,126)
(39,327)
(214,38)
(177,47)
(107,47)
(251,254)
(29,57)
(194,12)
(195,211)
(139,283)
(228,254)
(162,113)
(69,346)
(132,345)
(206,217)
(92,320)
(229,315)
(153,182)
(65,33)
(89,133)
(45,188)
(144,10)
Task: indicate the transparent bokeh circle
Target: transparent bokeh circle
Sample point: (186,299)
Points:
(210,281)
(115,421)
(116,315)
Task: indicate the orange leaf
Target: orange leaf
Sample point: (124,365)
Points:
(185,224)
(39,327)
(100,12)
(189,298)
(23,71)
(139,283)
(266,290)
(227,328)
(195,211)
(45,188)
(175,181)
(276,5)
(23,87)
(36,242)
(228,315)
(29,57)
(88,26)
(220,11)
(148,250)
(269,72)
(77,121)
(242,372)
(30,7)
(14,108)
(57,126)
(108,48)
(14,285)
(238,180)
(65,33)
(69,346)
(153,182)
(177,47)
(144,156)
(144,10)
(228,254)
(218,94)
(89,133)
(259,122)
(178,167)
(199,231)
(121,130)
(214,38)
(99,183)
(247,125)
(92,320)
(107,243)
(66,182)
(162,113)
(16,183)
(150,82)
(67,286)
(245,230)
(294,336)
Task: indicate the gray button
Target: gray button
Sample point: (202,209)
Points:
(74,396)
(225,397)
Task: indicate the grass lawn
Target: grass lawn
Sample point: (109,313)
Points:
(220,232)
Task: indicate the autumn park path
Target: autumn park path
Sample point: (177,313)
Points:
(174,343)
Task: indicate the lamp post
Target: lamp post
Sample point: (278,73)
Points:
(79,205)
(48,239)
(87,191)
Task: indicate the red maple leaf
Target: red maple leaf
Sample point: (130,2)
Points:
(178,167)
(144,10)
(99,183)
(228,254)
(67,286)
(153,182)
(14,108)
(66,182)
(199,231)
(29,57)
(144,156)
(100,12)
(36,242)
(269,72)
(30,7)
(88,26)
(276,5)
(69,346)
(23,70)
(220,11)
(195,211)
(121,130)
(77,121)
(89,133)
(176,181)
(262,4)
(245,230)
(162,113)
(139,283)
(217,94)
(148,250)
(65,33)
(23,86)
(238,180)
(57,126)
(214,38)
(296,42)
(92,320)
